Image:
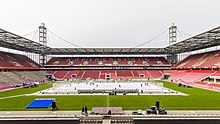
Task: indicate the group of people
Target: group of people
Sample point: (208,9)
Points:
(84,110)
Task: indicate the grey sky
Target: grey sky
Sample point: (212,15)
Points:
(109,23)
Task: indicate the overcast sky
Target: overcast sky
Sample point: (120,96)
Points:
(109,23)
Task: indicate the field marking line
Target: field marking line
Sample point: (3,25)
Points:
(11,96)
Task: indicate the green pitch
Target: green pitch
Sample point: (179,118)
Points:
(197,99)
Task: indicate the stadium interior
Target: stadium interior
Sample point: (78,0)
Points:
(109,71)
(198,69)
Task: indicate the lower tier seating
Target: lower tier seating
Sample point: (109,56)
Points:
(106,74)
(20,77)
(190,76)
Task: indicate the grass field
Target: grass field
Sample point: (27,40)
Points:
(197,99)
(20,91)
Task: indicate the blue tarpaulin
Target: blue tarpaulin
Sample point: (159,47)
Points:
(40,104)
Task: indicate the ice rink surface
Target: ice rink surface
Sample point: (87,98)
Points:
(92,87)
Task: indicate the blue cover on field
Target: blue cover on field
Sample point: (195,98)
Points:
(40,104)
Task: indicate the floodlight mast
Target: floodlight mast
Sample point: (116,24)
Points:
(172,40)
(172,34)
(43,41)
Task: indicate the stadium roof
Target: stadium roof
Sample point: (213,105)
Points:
(105,51)
(207,39)
(16,42)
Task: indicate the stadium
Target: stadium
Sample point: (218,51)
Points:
(178,83)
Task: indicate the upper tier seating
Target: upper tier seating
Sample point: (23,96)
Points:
(203,60)
(107,61)
(16,61)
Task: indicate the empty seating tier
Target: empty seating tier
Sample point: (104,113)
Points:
(190,76)
(16,61)
(202,60)
(106,74)
(108,61)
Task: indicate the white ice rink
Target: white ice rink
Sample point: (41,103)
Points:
(104,87)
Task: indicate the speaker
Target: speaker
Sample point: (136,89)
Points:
(54,105)
(148,112)
(157,104)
